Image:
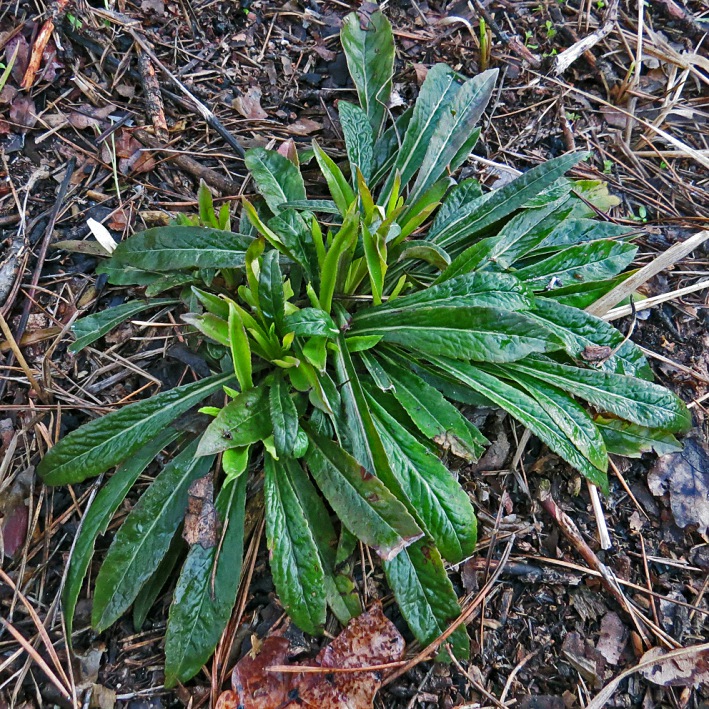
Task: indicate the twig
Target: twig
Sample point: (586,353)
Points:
(566,58)
(602,698)
(660,263)
(189,165)
(604,537)
(463,619)
(153,98)
(624,310)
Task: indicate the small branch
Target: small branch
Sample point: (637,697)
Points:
(153,98)
(564,60)
(188,164)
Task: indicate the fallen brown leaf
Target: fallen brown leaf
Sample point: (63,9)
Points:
(249,104)
(304,126)
(614,636)
(259,681)
(201,520)
(685,475)
(23,111)
(681,672)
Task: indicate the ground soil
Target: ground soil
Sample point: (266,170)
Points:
(549,634)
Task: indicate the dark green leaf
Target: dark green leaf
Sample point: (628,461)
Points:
(574,421)
(341,192)
(434,415)
(581,295)
(206,591)
(144,537)
(124,275)
(243,421)
(99,515)
(370,58)
(344,603)
(170,248)
(453,129)
(323,206)
(297,569)
(92,327)
(585,262)
(376,371)
(482,334)
(358,138)
(276,177)
(520,405)
(284,417)
(462,224)
(426,596)
(365,506)
(311,322)
(440,502)
(425,251)
(630,440)
(153,587)
(464,192)
(108,441)
(499,290)
(437,92)
(579,231)
(270,289)
(386,149)
(632,399)
(588,337)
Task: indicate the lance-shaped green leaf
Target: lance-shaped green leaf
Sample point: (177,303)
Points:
(523,407)
(206,591)
(426,597)
(297,569)
(572,419)
(583,262)
(342,194)
(276,177)
(630,440)
(526,230)
(434,99)
(323,206)
(481,334)
(144,537)
(151,590)
(310,322)
(243,421)
(581,295)
(579,231)
(108,441)
(369,51)
(454,234)
(440,502)
(632,399)
(343,601)
(588,337)
(170,248)
(338,259)
(425,251)
(240,349)
(386,149)
(421,210)
(284,417)
(89,329)
(362,502)
(294,232)
(99,515)
(499,290)
(454,129)
(375,369)
(375,256)
(433,414)
(464,192)
(270,289)
(358,138)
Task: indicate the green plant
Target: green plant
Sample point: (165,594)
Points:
(345,334)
